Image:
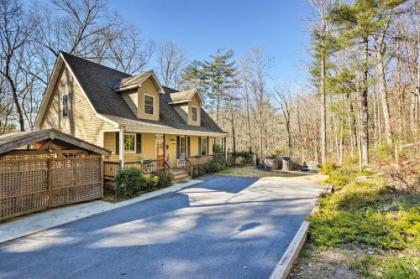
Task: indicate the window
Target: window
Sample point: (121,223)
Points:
(130,143)
(203,146)
(148,104)
(65,105)
(194,114)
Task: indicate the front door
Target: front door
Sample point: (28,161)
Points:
(181,147)
(160,150)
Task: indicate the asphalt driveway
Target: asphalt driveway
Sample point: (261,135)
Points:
(224,227)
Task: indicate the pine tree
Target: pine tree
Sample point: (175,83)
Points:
(214,79)
(357,23)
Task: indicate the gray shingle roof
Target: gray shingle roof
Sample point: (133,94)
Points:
(99,83)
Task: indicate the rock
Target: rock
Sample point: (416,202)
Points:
(344,273)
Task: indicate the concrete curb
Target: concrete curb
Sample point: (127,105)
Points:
(283,267)
(41,221)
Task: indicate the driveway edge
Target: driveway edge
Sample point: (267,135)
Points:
(283,267)
(27,225)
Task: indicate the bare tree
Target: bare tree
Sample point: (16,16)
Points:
(14,35)
(171,62)
(284,100)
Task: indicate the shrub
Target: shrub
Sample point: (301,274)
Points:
(246,155)
(328,168)
(152,181)
(216,165)
(129,182)
(163,179)
(200,170)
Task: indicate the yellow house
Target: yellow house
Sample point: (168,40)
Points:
(133,116)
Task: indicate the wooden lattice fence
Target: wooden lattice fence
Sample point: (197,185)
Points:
(38,182)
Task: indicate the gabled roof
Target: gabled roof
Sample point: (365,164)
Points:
(101,84)
(12,141)
(133,82)
(183,96)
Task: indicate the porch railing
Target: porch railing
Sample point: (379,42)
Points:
(204,159)
(111,168)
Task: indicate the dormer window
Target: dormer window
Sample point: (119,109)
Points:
(194,114)
(149,104)
(65,105)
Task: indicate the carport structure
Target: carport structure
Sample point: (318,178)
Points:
(47,168)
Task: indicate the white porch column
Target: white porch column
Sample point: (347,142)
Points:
(225,149)
(122,149)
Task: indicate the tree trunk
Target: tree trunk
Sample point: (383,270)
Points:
(323,112)
(16,103)
(383,93)
(364,131)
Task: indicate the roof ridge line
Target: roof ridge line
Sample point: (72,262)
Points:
(98,64)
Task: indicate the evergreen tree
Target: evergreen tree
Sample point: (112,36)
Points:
(357,22)
(214,79)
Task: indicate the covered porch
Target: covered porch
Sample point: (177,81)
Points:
(152,152)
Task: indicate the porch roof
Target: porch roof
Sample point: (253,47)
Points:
(160,128)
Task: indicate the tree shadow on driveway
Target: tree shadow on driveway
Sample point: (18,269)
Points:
(171,236)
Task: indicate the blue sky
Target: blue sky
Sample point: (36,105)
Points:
(200,27)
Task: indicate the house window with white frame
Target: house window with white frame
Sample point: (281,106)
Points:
(65,105)
(203,146)
(130,143)
(149,104)
(194,114)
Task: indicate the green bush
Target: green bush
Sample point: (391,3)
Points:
(163,179)
(247,155)
(216,165)
(129,182)
(328,168)
(200,170)
(152,181)
(366,212)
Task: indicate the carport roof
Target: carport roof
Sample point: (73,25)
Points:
(12,141)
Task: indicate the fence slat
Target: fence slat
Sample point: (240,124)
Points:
(29,184)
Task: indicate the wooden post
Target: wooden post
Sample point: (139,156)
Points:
(122,149)
(102,176)
(49,182)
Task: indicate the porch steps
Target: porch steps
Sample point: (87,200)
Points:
(180,174)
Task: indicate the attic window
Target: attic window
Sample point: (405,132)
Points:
(65,105)
(148,104)
(194,114)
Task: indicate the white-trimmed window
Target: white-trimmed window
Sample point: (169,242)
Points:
(194,114)
(65,105)
(203,146)
(149,107)
(130,143)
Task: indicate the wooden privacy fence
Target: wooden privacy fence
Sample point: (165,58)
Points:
(40,182)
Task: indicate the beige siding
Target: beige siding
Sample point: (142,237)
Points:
(148,88)
(148,148)
(82,121)
(195,102)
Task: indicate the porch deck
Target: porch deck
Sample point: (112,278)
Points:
(111,168)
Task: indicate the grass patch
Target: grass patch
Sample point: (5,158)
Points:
(252,171)
(363,213)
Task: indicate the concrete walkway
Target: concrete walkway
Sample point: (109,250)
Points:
(223,227)
(55,217)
